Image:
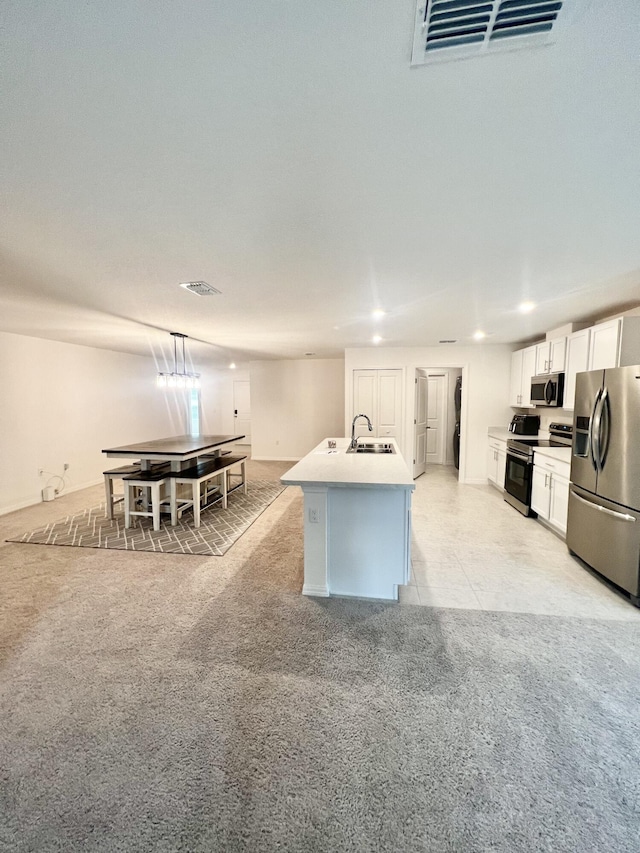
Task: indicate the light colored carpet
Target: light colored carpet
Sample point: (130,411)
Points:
(219,528)
(205,705)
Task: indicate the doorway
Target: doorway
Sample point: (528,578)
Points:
(436,418)
(242,410)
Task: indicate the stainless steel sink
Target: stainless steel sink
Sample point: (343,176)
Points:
(372,447)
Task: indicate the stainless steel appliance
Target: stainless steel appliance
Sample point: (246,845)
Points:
(603,526)
(524,425)
(547,389)
(519,471)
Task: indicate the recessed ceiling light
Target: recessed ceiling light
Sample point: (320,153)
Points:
(479,335)
(525,307)
(376,339)
(232,365)
(378,313)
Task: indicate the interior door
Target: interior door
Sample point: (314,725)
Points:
(365,400)
(436,418)
(420,444)
(242,409)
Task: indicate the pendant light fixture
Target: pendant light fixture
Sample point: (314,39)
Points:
(178,379)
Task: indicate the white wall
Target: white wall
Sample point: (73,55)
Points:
(64,403)
(217,399)
(294,405)
(486,370)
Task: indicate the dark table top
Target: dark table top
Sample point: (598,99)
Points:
(177,447)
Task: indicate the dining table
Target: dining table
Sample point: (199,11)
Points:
(176,450)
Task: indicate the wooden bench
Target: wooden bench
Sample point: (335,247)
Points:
(152,480)
(116,474)
(203,472)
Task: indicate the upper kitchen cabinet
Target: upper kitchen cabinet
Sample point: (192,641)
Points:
(523,367)
(577,361)
(550,356)
(378,394)
(615,343)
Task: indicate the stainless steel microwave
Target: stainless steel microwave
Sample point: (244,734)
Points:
(547,389)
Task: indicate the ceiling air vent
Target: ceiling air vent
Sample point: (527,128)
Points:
(201,288)
(456,29)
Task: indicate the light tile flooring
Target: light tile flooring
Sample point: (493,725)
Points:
(472,550)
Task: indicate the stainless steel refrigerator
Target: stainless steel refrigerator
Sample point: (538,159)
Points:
(603,526)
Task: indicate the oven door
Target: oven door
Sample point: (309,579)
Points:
(517,481)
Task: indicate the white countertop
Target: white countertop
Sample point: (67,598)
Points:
(561,453)
(500,432)
(341,469)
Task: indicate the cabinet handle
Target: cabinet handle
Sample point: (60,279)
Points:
(545,480)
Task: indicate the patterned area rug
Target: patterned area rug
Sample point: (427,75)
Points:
(219,528)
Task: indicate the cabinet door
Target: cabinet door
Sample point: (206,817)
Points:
(501,468)
(577,362)
(605,340)
(388,419)
(540,492)
(515,389)
(492,465)
(528,370)
(559,503)
(543,357)
(557,354)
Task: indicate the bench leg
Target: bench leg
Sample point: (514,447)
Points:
(155,505)
(173,491)
(196,502)
(244,476)
(127,505)
(225,488)
(108,491)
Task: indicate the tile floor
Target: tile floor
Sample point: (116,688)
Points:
(472,550)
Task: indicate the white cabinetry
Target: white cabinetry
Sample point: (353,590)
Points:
(378,394)
(550,491)
(497,462)
(577,361)
(615,343)
(523,367)
(550,356)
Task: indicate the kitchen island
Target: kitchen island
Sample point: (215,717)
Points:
(357,521)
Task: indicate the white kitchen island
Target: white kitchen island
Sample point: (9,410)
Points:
(357,521)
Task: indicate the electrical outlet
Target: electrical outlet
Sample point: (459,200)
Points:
(40,472)
(65,467)
(313,515)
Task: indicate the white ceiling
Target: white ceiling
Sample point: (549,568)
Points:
(285,152)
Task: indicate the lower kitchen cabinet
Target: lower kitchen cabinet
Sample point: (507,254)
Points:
(497,462)
(550,491)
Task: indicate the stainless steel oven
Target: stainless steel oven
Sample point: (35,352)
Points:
(518,477)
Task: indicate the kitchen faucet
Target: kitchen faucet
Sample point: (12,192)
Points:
(354,440)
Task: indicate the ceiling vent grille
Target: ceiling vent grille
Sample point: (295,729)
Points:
(456,29)
(200,288)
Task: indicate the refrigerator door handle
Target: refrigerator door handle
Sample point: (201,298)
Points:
(623,516)
(590,437)
(605,421)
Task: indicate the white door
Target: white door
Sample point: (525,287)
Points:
(436,418)
(242,410)
(378,394)
(420,442)
(389,417)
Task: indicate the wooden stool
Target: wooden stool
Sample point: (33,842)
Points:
(152,480)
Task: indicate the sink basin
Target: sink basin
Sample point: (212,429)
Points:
(372,447)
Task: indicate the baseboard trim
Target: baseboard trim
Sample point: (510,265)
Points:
(36,501)
(317,591)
